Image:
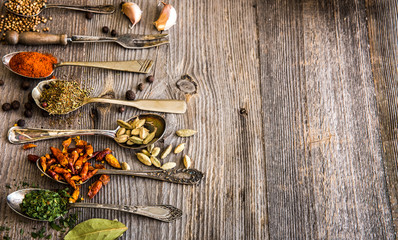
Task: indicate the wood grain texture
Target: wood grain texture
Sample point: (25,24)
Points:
(293,100)
(324,161)
(382,28)
(222,60)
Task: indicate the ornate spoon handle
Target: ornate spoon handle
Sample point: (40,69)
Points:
(101,9)
(165,213)
(24,135)
(181,176)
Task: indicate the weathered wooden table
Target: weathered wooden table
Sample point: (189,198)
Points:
(295,107)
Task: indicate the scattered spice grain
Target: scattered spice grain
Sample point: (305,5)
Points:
(6,107)
(15,105)
(130,95)
(25,85)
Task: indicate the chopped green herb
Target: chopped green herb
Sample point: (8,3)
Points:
(6,237)
(48,236)
(8,186)
(21,231)
(55,226)
(45,204)
(4,228)
(24,184)
(34,235)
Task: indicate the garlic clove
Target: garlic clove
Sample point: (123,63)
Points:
(133,12)
(167,18)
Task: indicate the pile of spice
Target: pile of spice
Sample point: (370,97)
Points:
(60,97)
(33,64)
(135,132)
(45,204)
(26,7)
(71,165)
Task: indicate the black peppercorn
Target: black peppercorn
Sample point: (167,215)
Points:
(105,29)
(28,113)
(15,105)
(1,82)
(25,85)
(140,86)
(46,86)
(89,15)
(28,106)
(150,79)
(21,122)
(6,107)
(121,109)
(30,98)
(113,33)
(130,95)
(45,113)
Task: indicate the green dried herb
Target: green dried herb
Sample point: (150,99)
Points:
(96,228)
(45,204)
(61,96)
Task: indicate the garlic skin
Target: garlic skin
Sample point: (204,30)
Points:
(133,12)
(167,18)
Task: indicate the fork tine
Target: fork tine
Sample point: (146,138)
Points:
(149,44)
(151,37)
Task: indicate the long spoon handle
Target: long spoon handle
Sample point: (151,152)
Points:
(168,106)
(101,9)
(137,66)
(18,135)
(165,213)
(181,176)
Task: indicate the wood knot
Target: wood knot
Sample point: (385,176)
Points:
(243,111)
(187,85)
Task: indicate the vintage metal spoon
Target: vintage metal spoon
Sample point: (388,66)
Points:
(137,66)
(180,176)
(100,9)
(19,135)
(161,105)
(165,213)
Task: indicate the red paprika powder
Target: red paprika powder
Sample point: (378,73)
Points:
(33,64)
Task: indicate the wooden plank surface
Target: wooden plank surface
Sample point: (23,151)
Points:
(293,100)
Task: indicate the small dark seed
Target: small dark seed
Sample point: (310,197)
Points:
(15,105)
(6,107)
(1,82)
(21,122)
(25,85)
(113,33)
(121,109)
(105,29)
(140,87)
(45,113)
(30,98)
(150,79)
(44,104)
(28,106)
(28,113)
(89,15)
(46,86)
(130,95)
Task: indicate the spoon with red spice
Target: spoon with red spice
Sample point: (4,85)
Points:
(41,66)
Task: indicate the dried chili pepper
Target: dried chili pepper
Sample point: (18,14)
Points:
(53,174)
(51,162)
(33,158)
(29,146)
(94,189)
(59,156)
(112,161)
(104,179)
(68,179)
(43,163)
(66,144)
(60,170)
(94,155)
(84,171)
(79,163)
(89,150)
(102,154)
(75,195)
(89,175)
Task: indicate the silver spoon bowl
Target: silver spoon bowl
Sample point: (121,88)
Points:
(17,135)
(165,213)
(155,105)
(100,9)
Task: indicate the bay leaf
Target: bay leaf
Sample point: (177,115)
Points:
(96,228)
